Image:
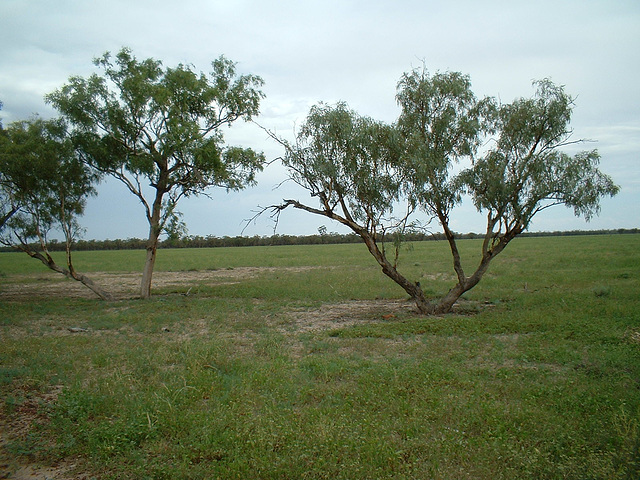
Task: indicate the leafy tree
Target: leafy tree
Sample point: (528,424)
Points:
(148,125)
(46,185)
(361,170)
(526,172)
(8,207)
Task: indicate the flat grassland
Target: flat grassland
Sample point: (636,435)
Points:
(307,362)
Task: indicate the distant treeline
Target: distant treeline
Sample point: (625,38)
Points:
(211,241)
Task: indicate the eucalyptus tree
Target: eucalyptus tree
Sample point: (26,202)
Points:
(442,124)
(349,163)
(46,185)
(8,207)
(159,131)
(527,172)
(361,170)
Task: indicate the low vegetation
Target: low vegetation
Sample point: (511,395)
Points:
(306,362)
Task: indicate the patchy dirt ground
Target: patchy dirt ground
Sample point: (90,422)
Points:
(337,315)
(127,285)
(29,413)
(15,427)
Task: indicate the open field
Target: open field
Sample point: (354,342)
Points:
(306,362)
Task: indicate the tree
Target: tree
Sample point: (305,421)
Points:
(8,207)
(351,164)
(361,170)
(526,173)
(46,185)
(145,124)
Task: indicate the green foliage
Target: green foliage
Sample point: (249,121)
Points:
(441,123)
(347,162)
(42,180)
(363,172)
(46,185)
(148,125)
(163,124)
(526,172)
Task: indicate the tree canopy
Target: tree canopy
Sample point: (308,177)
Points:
(526,172)
(44,186)
(445,143)
(343,159)
(145,124)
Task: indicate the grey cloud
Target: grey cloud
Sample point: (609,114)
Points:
(342,50)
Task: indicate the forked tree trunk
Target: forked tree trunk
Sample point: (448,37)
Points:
(413,289)
(467,283)
(446,303)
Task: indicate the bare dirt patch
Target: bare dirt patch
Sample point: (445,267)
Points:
(126,285)
(354,312)
(337,315)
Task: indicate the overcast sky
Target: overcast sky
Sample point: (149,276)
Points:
(331,50)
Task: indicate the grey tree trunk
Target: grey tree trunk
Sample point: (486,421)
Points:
(155,228)
(87,282)
(147,273)
(413,289)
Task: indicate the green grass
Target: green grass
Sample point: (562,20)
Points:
(197,259)
(538,378)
